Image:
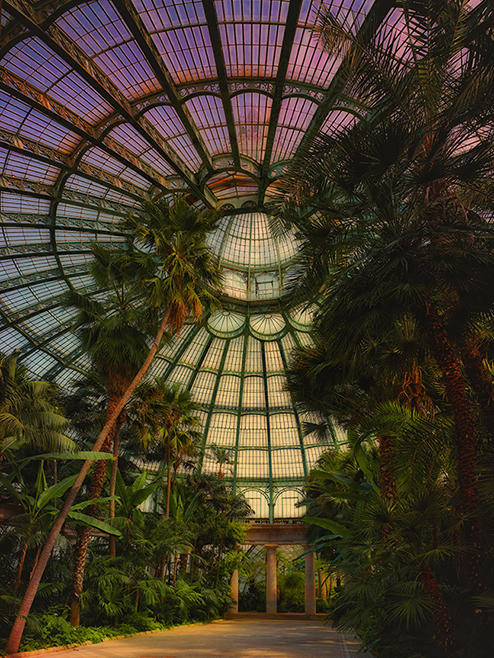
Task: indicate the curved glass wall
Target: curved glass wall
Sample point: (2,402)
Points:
(254,260)
(106,103)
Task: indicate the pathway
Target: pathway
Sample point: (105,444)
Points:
(235,638)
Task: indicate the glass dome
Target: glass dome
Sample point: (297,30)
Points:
(254,260)
(104,104)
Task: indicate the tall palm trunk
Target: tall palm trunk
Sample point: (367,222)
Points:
(389,490)
(19,569)
(20,620)
(442,618)
(479,378)
(82,546)
(168,476)
(466,432)
(465,428)
(113,478)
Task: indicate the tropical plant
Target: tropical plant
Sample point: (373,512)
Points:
(347,387)
(32,492)
(185,280)
(114,331)
(403,199)
(29,417)
(291,591)
(166,425)
(221,456)
(405,561)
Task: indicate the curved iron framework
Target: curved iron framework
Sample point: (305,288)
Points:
(108,102)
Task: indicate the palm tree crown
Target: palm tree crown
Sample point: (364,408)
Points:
(187,277)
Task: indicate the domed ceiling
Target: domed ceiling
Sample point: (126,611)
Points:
(104,104)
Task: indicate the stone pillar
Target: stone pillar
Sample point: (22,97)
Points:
(310,584)
(233,609)
(271,584)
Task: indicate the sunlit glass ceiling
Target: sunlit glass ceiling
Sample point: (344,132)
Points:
(103,104)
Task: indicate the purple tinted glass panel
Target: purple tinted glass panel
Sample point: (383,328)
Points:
(209,116)
(251,112)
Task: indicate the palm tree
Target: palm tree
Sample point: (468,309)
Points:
(114,333)
(221,456)
(29,417)
(165,418)
(404,199)
(183,284)
(400,572)
(347,387)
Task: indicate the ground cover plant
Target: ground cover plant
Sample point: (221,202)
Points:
(167,570)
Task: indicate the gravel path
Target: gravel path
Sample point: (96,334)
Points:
(235,638)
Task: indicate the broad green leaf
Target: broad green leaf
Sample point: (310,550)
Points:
(143,494)
(358,487)
(7,442)
(41,483)
(364,466)
(327,524)
(335,477)
(96,501)
(82,454)
(139,482)
(122,491)
(191,508)
(343,495)
(94,523)
(56,490)
(176,506)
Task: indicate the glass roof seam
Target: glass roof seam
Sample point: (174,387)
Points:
(202,356)
(19,252)
(289,34)
(213,399)
(20,330)
(26,186)
(51,335)
(226,234)
(112,182)
(36,98)
(142,36)
(180,352)
(45,350)
(268,431)
(297,416)
(31,311)
(249,282)
(371,22)
(240,405)
(10,285)
(57,369)
(79,226)
(74,56)
(214,32)
(94,203)
(94,137)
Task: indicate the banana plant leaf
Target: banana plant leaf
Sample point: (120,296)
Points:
(80,454)
(90,521)
(96,501)
(56,490)
(327,524)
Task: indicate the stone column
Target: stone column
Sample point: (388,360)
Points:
(233,609)
(271,584)
(310,584)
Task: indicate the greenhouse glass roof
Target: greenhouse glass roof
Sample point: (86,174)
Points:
(106,103)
